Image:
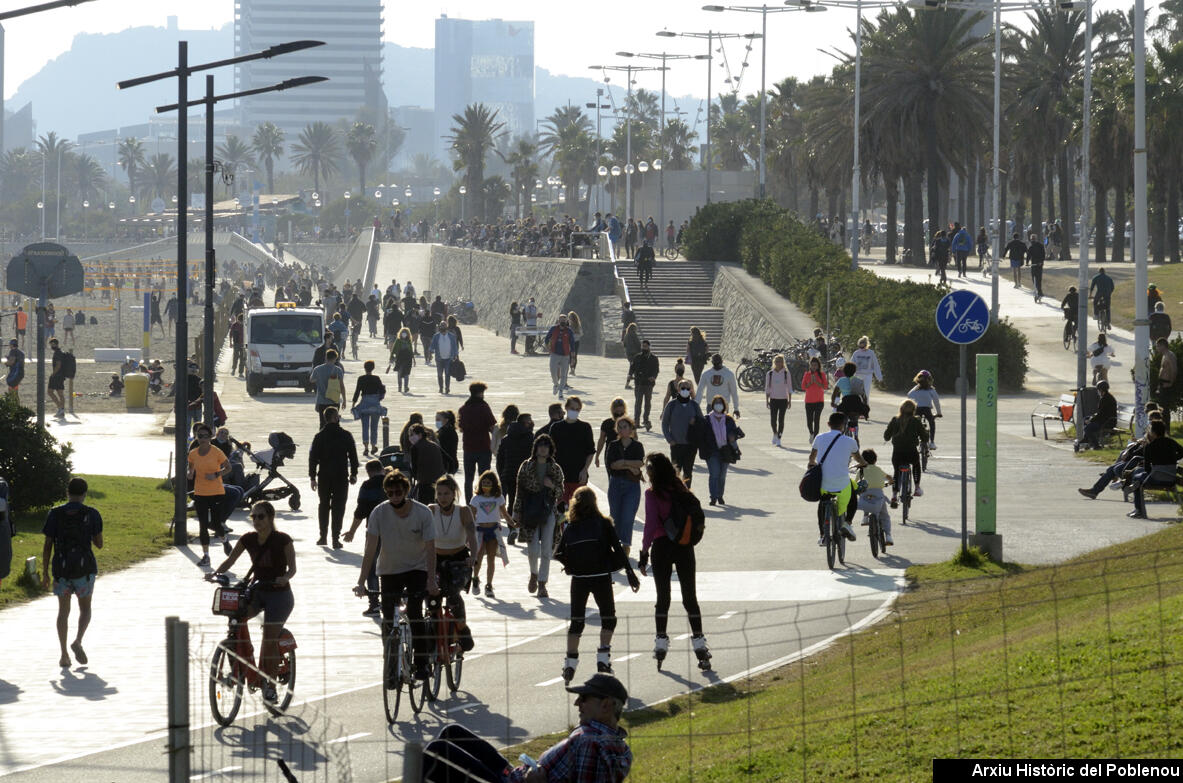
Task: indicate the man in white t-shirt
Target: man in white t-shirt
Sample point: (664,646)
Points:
(406,560)
(833,451)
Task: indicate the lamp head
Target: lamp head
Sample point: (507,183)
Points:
(715,8)
(666,34)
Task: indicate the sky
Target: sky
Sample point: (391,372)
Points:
(565,37)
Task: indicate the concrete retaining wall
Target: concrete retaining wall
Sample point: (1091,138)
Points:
(754,315)
(496,280)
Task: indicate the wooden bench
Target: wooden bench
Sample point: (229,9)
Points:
(1061,411)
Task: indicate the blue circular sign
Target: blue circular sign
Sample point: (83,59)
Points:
(963,317)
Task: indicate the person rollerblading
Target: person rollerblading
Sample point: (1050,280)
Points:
(570,663)
(604,660)
(661,648)
(701,652)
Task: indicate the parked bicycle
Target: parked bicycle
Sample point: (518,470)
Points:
(464,310)
(233,665)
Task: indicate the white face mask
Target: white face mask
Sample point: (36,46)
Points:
(718,407)
(684,392)
(439,424)
(572,415)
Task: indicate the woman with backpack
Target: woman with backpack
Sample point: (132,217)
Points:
(402,359)
(666,491)
(778,396)
(590,552)
(907,433)
(539,489)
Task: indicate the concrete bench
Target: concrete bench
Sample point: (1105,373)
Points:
(117,355)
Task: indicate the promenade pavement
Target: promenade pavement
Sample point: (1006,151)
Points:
(765,591)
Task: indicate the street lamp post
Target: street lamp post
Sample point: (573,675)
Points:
(435,198)
(711,36)
(1141,325)
(463,191)
(599,144)
(764,11)
(628,124)
(180,410)
(348,195)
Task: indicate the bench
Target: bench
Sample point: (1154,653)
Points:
(1061,411)
(1125,423)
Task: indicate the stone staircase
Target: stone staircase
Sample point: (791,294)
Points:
(677,298)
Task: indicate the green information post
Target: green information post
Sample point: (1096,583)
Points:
(985,535)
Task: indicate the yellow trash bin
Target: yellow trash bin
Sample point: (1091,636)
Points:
(135,390)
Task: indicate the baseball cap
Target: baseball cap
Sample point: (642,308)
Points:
(601,685)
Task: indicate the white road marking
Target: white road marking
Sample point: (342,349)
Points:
(626,657)
(727,615)
(215,772)
(544,683)
(465,705)
(680,638)
(350,737)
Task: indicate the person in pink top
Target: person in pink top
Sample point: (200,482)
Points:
(778,396)
(667,556)
(815,384)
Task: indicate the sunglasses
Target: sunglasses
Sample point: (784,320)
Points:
(260,515)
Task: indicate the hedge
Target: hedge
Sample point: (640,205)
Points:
(898,316)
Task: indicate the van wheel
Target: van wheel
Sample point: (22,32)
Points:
(254,384)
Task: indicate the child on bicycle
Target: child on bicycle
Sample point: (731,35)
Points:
(906,433)
(873,500)
(927,400)
(488,509)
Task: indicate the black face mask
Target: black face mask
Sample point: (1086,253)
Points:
(399,505)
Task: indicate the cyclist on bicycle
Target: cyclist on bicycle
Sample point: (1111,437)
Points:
(872,500)
(455,541)
(850,397)
(924,394)
(273,564)
(406,561)
(906,433)
(1101,288)
(835,478)
(1070,306)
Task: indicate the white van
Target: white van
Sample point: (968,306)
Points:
(280,344)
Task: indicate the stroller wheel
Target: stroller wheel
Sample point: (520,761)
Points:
(294,502)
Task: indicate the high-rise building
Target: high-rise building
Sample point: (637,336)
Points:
(351,58)
(489,62)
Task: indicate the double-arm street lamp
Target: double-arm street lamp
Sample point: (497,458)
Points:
(764,11)
(711,36)
(180,410)
(628,123)
(663,56)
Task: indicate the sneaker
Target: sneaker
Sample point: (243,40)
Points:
(932,446)
(887,540)
(269,694)
(866,521)
(542,593)
(203,562)
(373,611)
(1115,485)
(1136,514)
(719,500)
(322,541)
(336,543)
(712,501)
(533,583)
(476,584)
(465,639)
(1088,493)
(489,591)
(894,502)
(848,531)
(918,493)
(821,541)
(774,439)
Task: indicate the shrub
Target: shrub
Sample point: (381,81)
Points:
(801,265)
(35,465)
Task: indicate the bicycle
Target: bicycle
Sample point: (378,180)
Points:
(832,524)
(398,666)
(876,534)
(904,484)
(447,658)
(233,664)
(672,251)
(1101,313)
(1070,335)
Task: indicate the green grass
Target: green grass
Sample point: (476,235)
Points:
(136,513)
(1077,660)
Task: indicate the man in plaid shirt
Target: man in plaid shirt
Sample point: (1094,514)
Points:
(595,752)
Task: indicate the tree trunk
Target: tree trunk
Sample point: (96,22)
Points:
(1119,221)
(791,182)
(814,202)
(913,217)
(1036,212)
(1172,227)
(1101,222)
(1158,224)
(934,172)
(1067,221)
(891,188)
(1051,195)
(832,205)
(969,200)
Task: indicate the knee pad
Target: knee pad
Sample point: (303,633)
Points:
(608,623)
(576,626)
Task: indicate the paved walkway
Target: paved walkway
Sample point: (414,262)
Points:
(765,591)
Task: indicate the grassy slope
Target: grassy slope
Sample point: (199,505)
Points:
(136,513)
(1075,660)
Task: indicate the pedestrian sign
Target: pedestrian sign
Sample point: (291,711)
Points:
(962,317)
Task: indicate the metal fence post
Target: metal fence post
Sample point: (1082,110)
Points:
(177,651)
(413,761)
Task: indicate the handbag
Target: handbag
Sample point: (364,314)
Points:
(811,483)
(535,507)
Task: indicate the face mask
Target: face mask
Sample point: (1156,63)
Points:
(572,415)
(718,407)
(439,424)
(684,393)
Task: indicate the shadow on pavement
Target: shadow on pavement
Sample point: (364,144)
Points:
(932,529)
(9,692)
(88,686)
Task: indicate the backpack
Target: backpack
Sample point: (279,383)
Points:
(811,483)
(686,522)
(69,364)
(458,370)
(72,555)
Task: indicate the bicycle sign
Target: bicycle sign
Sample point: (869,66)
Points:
(962,317)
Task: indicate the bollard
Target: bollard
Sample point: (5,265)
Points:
(413,761)
(31,569)
(385,432)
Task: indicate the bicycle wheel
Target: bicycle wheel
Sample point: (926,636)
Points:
(745,379)
(841,543)
(438,663)
(285,684)
(924,458)
(391,682)
(1067,335)
(416,690)
(454,669)
(873,534)
(755,377)
(906,496)
(671,253)
(831,543)
(225,689)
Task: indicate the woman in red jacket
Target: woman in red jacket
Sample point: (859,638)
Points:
(815,383)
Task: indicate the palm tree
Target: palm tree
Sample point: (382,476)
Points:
(20,171)
(267,143)
(160,176)
(473,136)
(562,118)
(88,175)
(131,159)
(784,134)
(362,142)
(678,142)
(523,169)
(235,153)
(318,152)
(645,107)
(55,151)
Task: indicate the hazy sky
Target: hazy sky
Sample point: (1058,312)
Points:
(566,40)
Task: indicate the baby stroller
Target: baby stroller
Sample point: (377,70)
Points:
(271,460)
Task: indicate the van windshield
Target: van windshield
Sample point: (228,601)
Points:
(286,329)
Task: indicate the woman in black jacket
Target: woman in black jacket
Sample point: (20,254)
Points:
(590,552)
(445,433)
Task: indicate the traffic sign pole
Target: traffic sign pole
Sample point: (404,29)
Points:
(964,380)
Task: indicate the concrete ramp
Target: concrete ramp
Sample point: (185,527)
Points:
(403,261)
